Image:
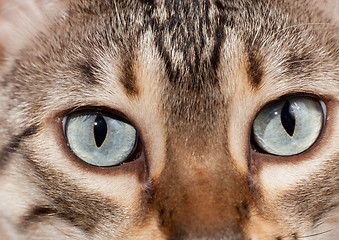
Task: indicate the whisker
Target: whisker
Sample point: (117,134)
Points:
(304,24)
(69,235)
(296,26)
(267,11)
(117,13)
(320,233)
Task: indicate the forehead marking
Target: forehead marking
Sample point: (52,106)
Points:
(255,67)
(89,70)
(128,76)
(150,3)
(182,36)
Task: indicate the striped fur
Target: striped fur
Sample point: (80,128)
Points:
(191,77)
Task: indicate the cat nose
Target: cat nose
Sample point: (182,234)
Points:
(201,212)
(201,201)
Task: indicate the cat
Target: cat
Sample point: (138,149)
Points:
(168,119)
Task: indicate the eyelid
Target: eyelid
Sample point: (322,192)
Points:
(324,108)
(64,121)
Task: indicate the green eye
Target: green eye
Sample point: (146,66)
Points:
(288,127)
(100,139)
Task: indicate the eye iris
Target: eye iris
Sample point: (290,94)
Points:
(100,130)
(287,118)
(289,127)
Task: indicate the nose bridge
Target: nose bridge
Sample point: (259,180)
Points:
(200,191)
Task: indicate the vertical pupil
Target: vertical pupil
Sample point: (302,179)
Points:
(100,130)
(288,118)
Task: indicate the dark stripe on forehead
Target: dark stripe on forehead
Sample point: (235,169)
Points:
(89,71)
(148,3)
(189,25)
(255,67)
(184,33)
(127,76)
(226,19)
(14,144)
(220,38)
(172,74)
(189,38)
(299,62)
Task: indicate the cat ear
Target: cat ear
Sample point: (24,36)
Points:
(20,20)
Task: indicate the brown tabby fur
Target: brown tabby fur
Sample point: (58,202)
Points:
(191,77)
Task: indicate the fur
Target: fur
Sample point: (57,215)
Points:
(191,76)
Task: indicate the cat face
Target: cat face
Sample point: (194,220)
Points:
(168,120)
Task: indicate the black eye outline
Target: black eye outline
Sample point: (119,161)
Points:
(138,145)
(257,148)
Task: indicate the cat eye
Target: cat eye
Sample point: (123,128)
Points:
(288,127)
(100,139)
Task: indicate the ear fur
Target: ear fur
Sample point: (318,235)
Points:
(20,20)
